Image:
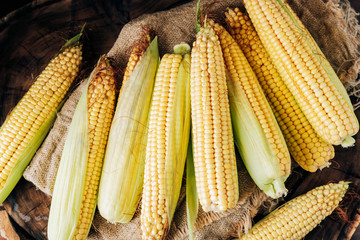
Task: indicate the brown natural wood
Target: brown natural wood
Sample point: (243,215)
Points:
(29,208)
(7,231)
(34,33)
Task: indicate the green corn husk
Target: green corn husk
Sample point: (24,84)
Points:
(192,201)
(123,169)
(255,150)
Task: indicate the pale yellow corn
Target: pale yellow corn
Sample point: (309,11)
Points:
(305,70)
(213,144)
(169,114)
(296,218)
(307,149)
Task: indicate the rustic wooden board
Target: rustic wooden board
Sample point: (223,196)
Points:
(29,208)
(7,230)
(33,32)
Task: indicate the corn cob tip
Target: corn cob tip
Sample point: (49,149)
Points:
(276,188)
(74,41)
(182,48)
(345,184)
(348,142)
(326,165)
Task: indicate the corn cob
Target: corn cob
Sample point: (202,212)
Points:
(245,90)
(305,71)
(169,128)
(28,123)
(75,191)
(307,149)
(122,177)
(296,218)
(213,144)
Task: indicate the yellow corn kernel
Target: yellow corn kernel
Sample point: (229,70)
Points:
(213,144)
(136,54)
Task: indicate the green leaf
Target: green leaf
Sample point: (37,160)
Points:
(198,15)
(192,201)
(73,41)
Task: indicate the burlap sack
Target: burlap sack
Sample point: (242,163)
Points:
(334,27)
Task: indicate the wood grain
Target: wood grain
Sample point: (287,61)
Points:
(29,208)
(7,231)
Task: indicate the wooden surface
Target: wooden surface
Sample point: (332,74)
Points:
(28,45)
(7,230)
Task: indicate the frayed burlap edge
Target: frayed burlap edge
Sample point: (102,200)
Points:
(257,199)
(349,24)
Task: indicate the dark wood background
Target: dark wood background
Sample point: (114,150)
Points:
(25,48)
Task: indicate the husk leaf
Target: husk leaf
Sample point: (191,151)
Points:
(70,178)
(256,152)
(123,169)
(192,201)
